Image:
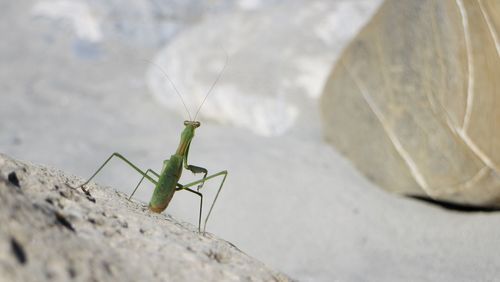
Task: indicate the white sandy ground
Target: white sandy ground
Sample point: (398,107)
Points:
(290,200)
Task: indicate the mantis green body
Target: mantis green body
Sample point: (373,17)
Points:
(167,182)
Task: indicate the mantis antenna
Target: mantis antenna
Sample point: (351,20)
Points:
(213,84)
(173,86)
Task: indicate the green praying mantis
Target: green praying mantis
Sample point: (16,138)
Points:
(167,182)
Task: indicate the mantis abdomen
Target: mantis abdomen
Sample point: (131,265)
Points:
(165,188)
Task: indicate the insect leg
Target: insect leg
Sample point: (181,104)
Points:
(143,176)
(181,187)
(198,169)
(222,173)
(123,159)
(195,169)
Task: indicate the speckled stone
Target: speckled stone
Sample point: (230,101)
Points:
(53,232)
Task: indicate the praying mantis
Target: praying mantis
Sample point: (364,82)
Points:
(167,181)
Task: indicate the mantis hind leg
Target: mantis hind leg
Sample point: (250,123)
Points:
(145,175)
(140,181)
(202,181)
(181,187)
(118,155)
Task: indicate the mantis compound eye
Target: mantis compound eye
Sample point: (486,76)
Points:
(194,124)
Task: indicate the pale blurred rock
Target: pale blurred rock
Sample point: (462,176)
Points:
(279,58)
(52,232)
(414,100)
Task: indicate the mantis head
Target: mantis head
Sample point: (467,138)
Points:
(194,124)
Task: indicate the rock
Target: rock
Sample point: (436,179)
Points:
(413,101)
(52,232)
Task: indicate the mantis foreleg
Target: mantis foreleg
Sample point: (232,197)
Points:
(195,169)
(198,169)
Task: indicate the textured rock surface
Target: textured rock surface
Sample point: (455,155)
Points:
(52,232)
(413,101)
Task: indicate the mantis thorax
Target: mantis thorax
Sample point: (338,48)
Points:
(186,136)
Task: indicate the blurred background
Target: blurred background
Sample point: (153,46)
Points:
(76,86)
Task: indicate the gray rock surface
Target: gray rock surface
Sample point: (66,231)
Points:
(421,79)
(52,232)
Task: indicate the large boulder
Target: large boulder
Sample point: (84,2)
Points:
(414,101)
(53,232)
